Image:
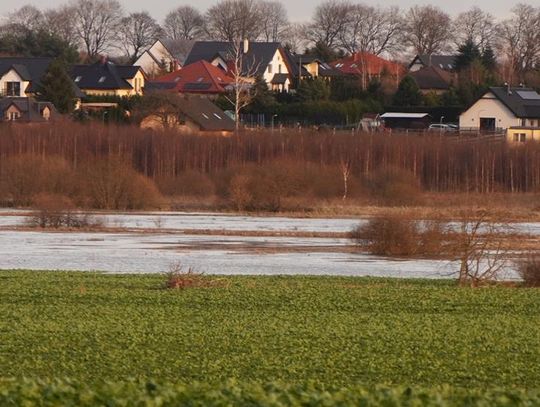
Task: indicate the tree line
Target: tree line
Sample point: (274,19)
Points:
(336,27)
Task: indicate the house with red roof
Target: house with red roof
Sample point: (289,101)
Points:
(201,78)
(368,66)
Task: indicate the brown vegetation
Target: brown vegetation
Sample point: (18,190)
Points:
(529,270)
(119,167)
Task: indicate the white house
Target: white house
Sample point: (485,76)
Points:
(267,59)
(501,108)
(20,77)
(157,60)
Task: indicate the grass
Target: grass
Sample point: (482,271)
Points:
(338,331)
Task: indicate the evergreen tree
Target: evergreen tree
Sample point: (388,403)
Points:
(467,54)
(57,87)
(313,90)
(488,59)
(263,100)
(408,93)
(450,97)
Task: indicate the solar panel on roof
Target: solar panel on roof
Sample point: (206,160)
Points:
(528,94)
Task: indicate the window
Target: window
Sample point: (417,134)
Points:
(102,79)
(520,137)
(205,116)
(269,68)
(218,116)
(14,116)
(13,89)
(78,79)
(523,122)
(279,68)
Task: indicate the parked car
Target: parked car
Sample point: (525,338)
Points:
(442,127)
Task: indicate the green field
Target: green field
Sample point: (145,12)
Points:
(335,332)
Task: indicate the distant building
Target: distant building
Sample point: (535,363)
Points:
(200,78)
(311,67)
(368,67)
(104,78)
(157,60)
(501,108)
(267,59)
(192,115)
(445,62)
(432,79)
(397,120)
(20,77)
(25,110)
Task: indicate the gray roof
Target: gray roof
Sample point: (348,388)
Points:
(103,75)
(280,78)
(205,114)
(259,55)
(522,102)
(446,62)
(29,69)
(30,109)
(431,77)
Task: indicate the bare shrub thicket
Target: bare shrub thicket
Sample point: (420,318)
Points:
(56,211)
(188,183)
(395,235)
(180,277)
(394,168)
(529,270)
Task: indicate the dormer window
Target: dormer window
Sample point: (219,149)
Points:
(102,79)
(78,79)
(205,116)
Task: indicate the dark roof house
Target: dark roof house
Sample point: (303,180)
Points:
(433,79)
(192,115)
(445,62)
(28,72)
(106,78)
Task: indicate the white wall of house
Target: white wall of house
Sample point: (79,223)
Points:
(277,65)
(149,64)
(13,76)
(488,107)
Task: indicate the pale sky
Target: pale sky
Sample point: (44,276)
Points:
(299,10)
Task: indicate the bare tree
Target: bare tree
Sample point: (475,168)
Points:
(295,37)
(96,23)
(184,23)
(477,26)
(330,19)
(137,32)
(231,20)
(243,71)
(274,20)
(345,167)
(481,249)
(371,29)
(60,23)
(27,17)
(427,29)
(520,40)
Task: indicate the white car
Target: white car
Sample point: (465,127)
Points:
(443,127)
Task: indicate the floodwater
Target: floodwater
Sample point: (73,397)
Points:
(137,252)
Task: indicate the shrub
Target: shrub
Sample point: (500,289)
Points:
(389,236)
(55,211)
(529,270)
(179,277)
(113,184)
(394,187)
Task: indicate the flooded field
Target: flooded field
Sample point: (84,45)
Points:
(131,251)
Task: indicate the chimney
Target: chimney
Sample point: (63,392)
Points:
(246,46)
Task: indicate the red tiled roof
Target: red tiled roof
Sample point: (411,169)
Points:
(198,77)
(370,64)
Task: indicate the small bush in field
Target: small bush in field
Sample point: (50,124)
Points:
(180,277)
(394,187)
(529,270)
